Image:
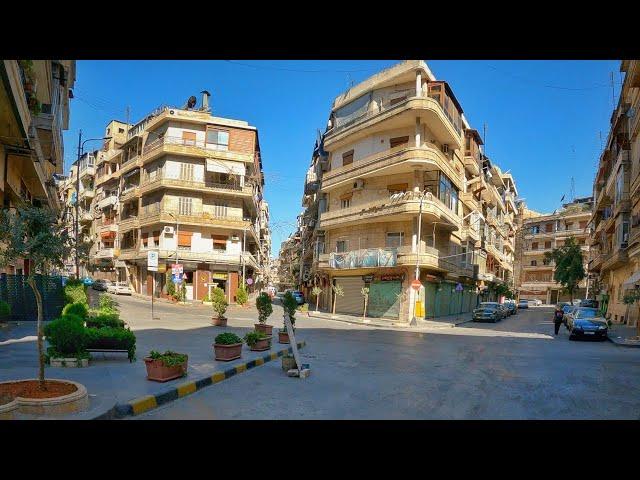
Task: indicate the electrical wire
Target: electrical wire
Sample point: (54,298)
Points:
(527,80)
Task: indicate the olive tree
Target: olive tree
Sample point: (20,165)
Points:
(37,235)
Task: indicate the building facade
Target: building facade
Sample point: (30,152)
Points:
(398,183)
(542,233)
(34,110)
(615,247)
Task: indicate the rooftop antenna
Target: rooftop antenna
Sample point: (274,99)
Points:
(572,192)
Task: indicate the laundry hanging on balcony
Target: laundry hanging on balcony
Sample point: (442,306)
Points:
(225,166)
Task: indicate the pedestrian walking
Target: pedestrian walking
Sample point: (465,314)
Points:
(557,320)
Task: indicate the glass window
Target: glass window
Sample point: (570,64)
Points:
(341,246)
(217,139)
(394,239)
(447,193)
(345,203)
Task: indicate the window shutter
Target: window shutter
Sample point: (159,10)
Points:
(184,239)
(219,239)
(347,158)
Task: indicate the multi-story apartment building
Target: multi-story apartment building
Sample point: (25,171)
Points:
(398,148)
(34,110)
(189,185)
(542,233)
(615,250)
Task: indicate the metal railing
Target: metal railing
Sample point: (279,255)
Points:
(364,258)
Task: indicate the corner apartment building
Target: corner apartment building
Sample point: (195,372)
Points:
(34,110)
(615,248)
(189,185)
(541,234)
(398,146)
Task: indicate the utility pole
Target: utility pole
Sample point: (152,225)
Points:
(77,202)
(244,240)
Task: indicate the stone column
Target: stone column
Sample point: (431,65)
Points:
(418,133)
(418,83)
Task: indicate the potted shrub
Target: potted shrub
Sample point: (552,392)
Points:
(68,341)
(288,362)
(162,367)
(227,346)
(5,311)
(290,307)
(258,341)
(220,305)
(263,304)
(242,296)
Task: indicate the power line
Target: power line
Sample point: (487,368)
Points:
(557,87)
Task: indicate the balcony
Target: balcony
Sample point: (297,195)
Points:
(164,181)
(87,194)
(110,201)
(389,116)
(108,227)
(128,253)
(432,258)
(472,164)
(402,158)
(538,267)
(211,256)
(129,192)
(386,210)
(126,224)
(88,171)
(615,259)
(86,217)
(471,233)
(364,258)
(105,253)
(192,148)
(157,215)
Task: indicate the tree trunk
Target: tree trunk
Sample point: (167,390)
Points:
(333,307)
(638,321)
(317,301)
(32,283)
(364,314)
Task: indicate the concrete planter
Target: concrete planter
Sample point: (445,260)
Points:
(75,402)
(69,362)
(219,322)
(226,353)
(263,327)
(262,345)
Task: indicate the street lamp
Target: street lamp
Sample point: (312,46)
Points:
(177,232)
(76,227)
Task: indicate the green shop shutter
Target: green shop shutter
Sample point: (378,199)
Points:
(429,299)
(384,299)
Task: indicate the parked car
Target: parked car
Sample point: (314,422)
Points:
(576,302)
(585,322)
(299,296)
(506,312)
(589,302)
(88,281)
(119,288)
(101,285)
(512,306)
(523,303)
(488,312)
(567,309)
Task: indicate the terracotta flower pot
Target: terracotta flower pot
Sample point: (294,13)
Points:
(262,345)
(263,327)
(225,353)
(283,337)
(159,372)
(219,322)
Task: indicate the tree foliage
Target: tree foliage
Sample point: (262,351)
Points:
(569,265)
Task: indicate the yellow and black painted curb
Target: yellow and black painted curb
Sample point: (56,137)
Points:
(149,402)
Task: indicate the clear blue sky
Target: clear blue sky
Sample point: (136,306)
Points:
(543,117)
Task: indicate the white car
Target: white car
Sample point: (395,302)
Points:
(119,288)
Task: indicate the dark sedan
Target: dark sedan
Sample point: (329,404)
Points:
(488,312)
(101,285)
(584,322)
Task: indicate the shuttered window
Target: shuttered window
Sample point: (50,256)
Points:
(347,158)
(547,244)
(189,138)
(145,239)
(156,238)
(219,242)
(185,205)
(184,239)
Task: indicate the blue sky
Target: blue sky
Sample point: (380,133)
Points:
(543,117)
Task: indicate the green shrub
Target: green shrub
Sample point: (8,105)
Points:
(79,309)
(112,338)
(169,358)
(107,303)
(290,306)
(67,335)
(220,303)
(227,338)
(75,291)
(104,320)
(263,304)
(206,298)
(252,338)
(5,310)
(242,296)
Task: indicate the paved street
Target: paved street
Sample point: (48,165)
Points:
(515,369)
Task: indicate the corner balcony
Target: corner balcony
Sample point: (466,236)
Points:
(210,256)
(400,159)
(128,253)
(432,258)
(88,171)
(163,181)
(386,210)
(129,193)
(391,116)
(356,259)
(471,233)
(169,216)
(87,193)
(128,223)
(537,285)
(190,148)
(471,164)
(108,227)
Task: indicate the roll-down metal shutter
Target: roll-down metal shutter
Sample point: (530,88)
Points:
(352,303)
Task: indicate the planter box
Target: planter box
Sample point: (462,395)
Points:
(283,337)
(225,353)
(262,345)
(264,328)
(69,362)
(159,372)
(74,402)
(288,363)
(219,322)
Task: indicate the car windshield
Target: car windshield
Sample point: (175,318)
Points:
(567,308)
(586,313)
(489,305)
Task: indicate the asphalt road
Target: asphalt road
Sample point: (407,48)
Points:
(516,369)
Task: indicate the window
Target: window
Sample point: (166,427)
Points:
(619,186)
(185,205)
(347,158)
(394,101)
(345,203)
(341,246)
(217,139)
(186,171)
(219,242)
(220,209)
(534,246)
(583,224)
(546,261)
(547,244)
(447,193)
(535,229)
(120,130)
(548,227)
(189,138)
(398,187)
(184,239)
(394,239)
(397,141)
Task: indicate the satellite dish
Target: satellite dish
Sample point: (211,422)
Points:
(191,102)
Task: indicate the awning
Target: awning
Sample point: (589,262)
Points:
(107,235)
(631,281)
(225,166)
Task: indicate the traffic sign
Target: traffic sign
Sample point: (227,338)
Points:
(176,278)
(176,268)
(249,281)
(459,287)
(152,261)
(416,284)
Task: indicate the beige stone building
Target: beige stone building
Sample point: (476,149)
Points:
(615,247)
(34,110)
(541,233)
(402,183)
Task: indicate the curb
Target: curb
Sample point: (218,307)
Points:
(149,402)
(621,344)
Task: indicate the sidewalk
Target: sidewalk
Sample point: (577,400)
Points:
(621,335)
(442,322)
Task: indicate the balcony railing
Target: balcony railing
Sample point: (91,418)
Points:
(198,147)
(365,258)
(149,182)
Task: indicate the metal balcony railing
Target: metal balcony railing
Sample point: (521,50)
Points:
(364,258)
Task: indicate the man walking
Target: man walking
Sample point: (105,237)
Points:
(557,320)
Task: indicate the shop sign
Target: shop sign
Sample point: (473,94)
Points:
(219,276)
(391,277)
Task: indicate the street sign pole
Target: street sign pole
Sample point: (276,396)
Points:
(152,266)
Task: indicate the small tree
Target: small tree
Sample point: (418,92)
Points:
(316,291)
(219,302)
(631,297)
(290,306)
(365,294)
(338,291)
(36,234)
(263,304)
(242,296)
(569,265)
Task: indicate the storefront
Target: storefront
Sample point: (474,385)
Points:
(352,301)
(445,297)
(385,296)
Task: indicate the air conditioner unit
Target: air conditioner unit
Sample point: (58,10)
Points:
(445,148)
(168,230)
(358,184)
(235,238)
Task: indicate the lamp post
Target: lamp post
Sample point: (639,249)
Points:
(76,227)
(177,232)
